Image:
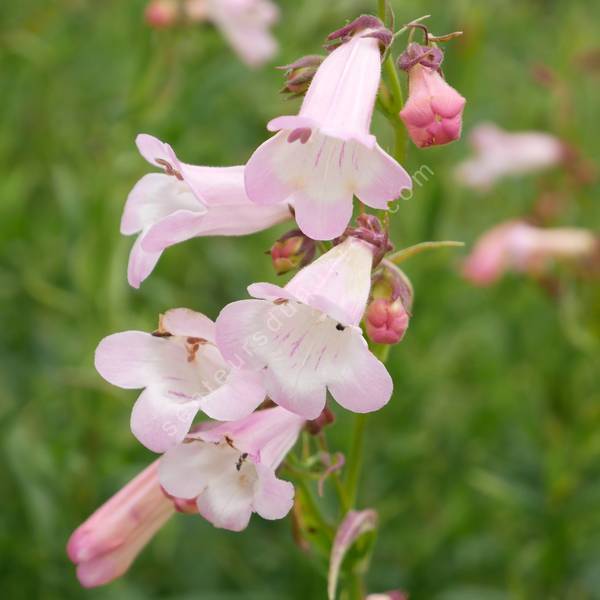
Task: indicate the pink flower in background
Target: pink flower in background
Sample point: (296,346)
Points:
(162,13)
(186,201)
(323,156)
(518,246)
(105,545)
(229,468)
(500,154)
(245,24)
(433,112)
(182,372)
(304,338)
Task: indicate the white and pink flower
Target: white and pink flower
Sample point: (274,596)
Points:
(182,372)
(500,154)
(228,469)
(522,248)
(186,201)
(326,154)
(106,544)
(305,338)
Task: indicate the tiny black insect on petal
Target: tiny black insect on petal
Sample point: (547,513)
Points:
(340,327)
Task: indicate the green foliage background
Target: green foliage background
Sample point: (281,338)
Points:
(486,464)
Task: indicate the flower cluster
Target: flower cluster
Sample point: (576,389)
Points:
(265,367)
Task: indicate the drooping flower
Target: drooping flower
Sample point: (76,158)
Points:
(186,201)
(523,248)
(245,24)
(229,468)
(304,338)
(500,154)
(433,111)
(182,372)
(106,544)
(388,313)
(325,154)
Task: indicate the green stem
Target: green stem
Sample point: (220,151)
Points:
(355,458)
(381,5)
(337,482)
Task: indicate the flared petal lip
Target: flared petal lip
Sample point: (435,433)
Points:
(292,122)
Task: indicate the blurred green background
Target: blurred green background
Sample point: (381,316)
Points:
(486,464)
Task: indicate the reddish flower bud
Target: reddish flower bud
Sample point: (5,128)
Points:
(162,13)
(388,313)
(299,74)
(433,112)
(291,251)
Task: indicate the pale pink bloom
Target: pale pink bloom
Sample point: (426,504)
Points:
(182,372)
(433,112)
(186,201)
(304,338)
(245,24)
(499,154)
(105,545)
(325,154)
(520,247)
(393,595)
(229,468)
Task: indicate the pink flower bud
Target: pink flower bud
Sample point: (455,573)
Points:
(299,74)
(386,321)
(388,313)
(162,13)
(433,112)
(291,251)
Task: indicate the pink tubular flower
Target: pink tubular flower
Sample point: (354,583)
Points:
(182,372)
(305,337)
(105,545)
(501,153)
(325,154)
(433,112)
(186,201)
(244,23)
(518,246)
(229,468)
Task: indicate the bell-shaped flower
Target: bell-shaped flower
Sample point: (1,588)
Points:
(324,155)
(522,248)
(245,24)
(229,468)
(106,544)
(186,201)
(304,338)
(500,154)
(182,372)
(433,111)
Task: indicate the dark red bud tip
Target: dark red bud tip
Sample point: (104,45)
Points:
(311,60)
(359,24)
(428,56)
(317,425)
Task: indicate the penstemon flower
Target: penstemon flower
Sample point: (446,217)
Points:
(325,154)
(500,154)
(106,544)
(433,112)
(229,468)
(304,338)
(182,372)
(186,201)
(523,248)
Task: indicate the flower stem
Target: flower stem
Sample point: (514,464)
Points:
(355,459)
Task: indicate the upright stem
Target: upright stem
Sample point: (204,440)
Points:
(355,459)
